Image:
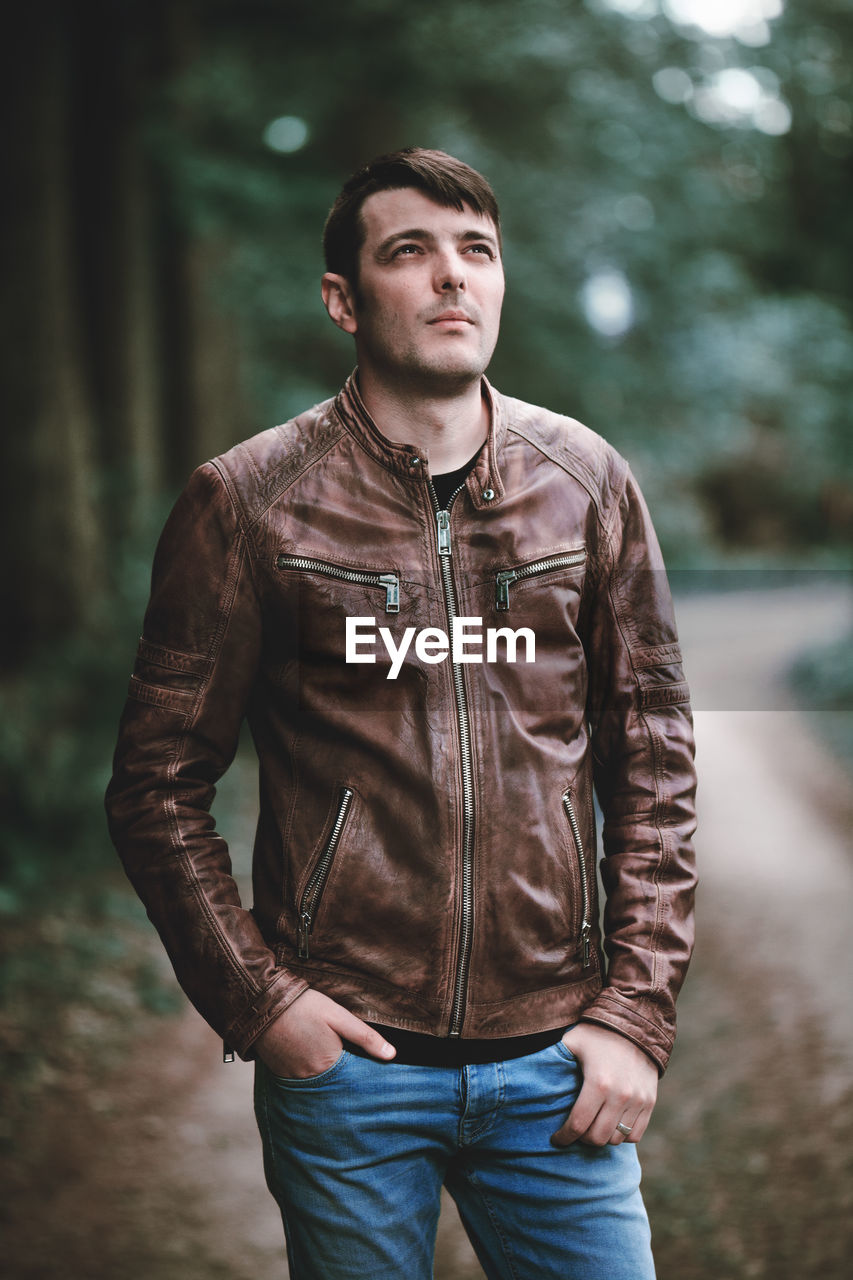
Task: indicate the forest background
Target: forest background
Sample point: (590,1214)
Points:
(675,180)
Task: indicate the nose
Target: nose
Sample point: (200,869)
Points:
(450,273)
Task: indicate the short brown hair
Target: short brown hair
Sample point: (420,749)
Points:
(446,180)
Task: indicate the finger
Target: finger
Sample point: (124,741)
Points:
(622,1135)
(351,1028)
(616,1101)
(297,1056)
(581,1117)
(637,1125)
(603,1128)
(626,1125)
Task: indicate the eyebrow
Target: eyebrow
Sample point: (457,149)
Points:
(420,233)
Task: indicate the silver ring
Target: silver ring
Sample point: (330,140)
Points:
(624,1128)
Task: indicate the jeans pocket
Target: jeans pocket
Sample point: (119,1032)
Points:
(565,1052)
(306,1082)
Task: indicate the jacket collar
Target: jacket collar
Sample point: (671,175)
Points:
(411,461)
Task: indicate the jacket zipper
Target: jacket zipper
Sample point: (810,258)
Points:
(586,923)
(313,890)
(563,560)
(457,1013)
(364,577)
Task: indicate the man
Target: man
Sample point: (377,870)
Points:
(445,616)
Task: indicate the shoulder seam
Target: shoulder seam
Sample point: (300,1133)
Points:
(579,471)
(288,477)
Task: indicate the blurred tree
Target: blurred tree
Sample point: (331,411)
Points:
(117,372)
(48,477)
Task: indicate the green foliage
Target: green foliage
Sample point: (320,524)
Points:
(79,963)
(55,724)
(82,975)
(58,722)
(823,682)
(824,677)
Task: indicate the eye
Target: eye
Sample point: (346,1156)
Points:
(485,249)
(406,250)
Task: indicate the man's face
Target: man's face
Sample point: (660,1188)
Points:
(426,311)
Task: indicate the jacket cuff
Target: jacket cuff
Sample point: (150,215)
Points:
(277,996)
(619,1013)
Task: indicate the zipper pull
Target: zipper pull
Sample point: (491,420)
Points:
(586,930)
(502,581)
(392,592)
(443,521)
(304,930)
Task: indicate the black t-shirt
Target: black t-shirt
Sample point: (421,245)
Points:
(446,484)
(416,1049)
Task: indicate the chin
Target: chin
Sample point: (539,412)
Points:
(453,377)
(466,367)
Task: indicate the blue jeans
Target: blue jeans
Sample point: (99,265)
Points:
(356,1158)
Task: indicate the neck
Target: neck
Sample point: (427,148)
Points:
(451,428)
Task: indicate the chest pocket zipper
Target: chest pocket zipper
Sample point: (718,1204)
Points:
(562,560)
(362,577)
(586,923)
(313,891)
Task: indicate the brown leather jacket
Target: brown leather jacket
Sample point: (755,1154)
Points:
(426,847)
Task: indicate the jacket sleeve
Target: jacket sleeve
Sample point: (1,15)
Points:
(642,743)
(194,674)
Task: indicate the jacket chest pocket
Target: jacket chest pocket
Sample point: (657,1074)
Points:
(311,894)
(381,581)
(560,560)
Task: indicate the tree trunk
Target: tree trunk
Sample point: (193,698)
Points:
(118,253)
(53,544)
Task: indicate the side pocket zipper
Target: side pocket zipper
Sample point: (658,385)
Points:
(586,923)
(313,890)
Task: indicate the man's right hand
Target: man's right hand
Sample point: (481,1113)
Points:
(308,1037)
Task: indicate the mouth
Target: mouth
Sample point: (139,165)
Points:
(452,317)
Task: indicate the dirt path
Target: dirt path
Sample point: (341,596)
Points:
(776,813)
(155,1173)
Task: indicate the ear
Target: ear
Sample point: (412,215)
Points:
(339,301)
